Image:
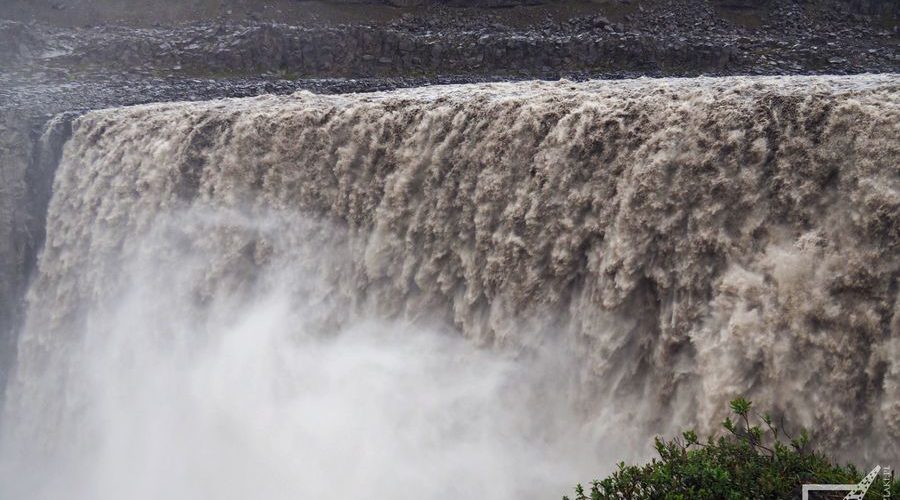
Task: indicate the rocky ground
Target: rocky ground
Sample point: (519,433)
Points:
(680,37)
(58,55)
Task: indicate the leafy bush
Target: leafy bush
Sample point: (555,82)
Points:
(754,459)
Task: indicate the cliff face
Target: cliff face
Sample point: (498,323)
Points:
(28,161)
(686,241)
(15,156)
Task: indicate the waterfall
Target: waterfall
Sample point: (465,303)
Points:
(490,290)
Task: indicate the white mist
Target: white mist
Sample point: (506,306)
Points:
(187,384)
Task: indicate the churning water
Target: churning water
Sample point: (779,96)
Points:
(482,291)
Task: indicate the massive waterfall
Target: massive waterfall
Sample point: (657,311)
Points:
(475,291)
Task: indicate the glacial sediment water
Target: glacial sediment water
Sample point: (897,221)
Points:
(474,291)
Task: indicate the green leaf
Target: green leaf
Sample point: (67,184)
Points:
(741,406)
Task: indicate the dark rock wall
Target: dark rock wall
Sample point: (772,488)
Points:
(29,154)
(15,146)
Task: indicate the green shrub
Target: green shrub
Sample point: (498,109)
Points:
(754,459)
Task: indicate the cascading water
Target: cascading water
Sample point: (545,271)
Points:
(263,297)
